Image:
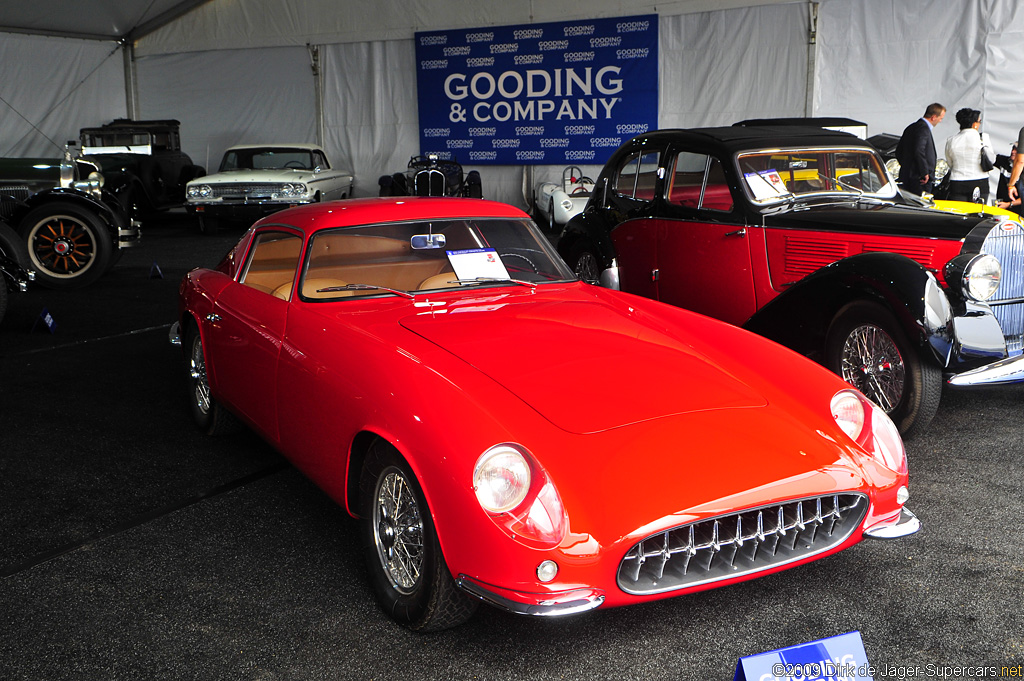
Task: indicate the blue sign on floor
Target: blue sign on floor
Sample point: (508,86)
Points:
(839,658)
(557,93)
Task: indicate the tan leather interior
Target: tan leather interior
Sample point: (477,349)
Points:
(443,280)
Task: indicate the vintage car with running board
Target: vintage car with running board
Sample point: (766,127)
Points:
(800,234)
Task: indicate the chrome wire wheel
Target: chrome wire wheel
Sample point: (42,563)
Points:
(398,530)
(586,267)
(197,376)
(872,363)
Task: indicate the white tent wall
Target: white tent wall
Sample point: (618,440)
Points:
(884,61)
(51,87)
(231,97)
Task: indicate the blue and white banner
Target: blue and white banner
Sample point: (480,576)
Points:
(537,94)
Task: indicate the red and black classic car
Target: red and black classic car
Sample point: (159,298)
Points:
(800,234)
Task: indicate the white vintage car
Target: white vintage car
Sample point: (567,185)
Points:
(554,204)
(259,179)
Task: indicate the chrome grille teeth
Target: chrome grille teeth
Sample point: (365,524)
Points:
(733,544)
(1009,249)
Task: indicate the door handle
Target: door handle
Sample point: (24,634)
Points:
(739,232)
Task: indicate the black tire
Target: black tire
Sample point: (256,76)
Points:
(208,225)
(12,246)
(584,261)
(428,600)
(867,347)
(209,415)
(3,297)
(68,245)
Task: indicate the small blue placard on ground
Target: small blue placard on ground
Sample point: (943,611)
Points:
(839,658)
(47,321)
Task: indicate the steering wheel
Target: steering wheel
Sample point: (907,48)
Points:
(298,165)
(520,255)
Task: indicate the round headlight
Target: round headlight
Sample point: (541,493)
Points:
(981,278)
(848,411)
(501,478)
(96,178)
(978,275)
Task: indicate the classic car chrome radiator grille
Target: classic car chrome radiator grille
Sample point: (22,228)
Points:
(1008,247)
(240,190)
(740,543)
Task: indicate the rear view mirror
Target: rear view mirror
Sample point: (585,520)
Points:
(420,242)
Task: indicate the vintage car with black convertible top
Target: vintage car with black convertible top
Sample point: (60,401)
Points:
(142,162)
(801,235)
(73,227)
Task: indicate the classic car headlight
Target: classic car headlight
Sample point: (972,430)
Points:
(293,189)
(978,275)
(96,179)
(501,479)
(199,191)
(519,497)
(871,428)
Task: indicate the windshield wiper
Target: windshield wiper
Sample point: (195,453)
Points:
(365,287)
(493,280)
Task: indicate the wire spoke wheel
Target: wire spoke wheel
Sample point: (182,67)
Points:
(398,531)
(872,363)
(197,376)
(586,267)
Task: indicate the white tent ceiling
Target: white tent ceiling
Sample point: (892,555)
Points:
(91,19)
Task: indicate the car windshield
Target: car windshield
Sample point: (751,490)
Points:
(422,256)
(778,175)
(267,159)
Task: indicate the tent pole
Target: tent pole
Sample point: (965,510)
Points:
(812,56)
(131,88)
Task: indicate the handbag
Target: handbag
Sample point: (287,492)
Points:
(986,164)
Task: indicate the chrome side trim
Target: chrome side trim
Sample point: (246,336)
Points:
(907,525)
(550,605)
(1009,370)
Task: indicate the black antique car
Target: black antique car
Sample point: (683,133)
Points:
(431,175)
(800,234)
(74,228)
(142,162)
(13,258)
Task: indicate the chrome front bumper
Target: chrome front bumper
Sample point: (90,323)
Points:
(1008,370)
(543,605)
(906,525)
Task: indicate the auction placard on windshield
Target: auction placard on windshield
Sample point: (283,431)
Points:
(567,92)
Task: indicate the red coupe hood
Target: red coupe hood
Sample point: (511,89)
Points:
(616,366)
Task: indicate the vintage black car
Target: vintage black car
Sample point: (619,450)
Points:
(13,258)
(800,234)
(74,229)
(431,175)
(142,162)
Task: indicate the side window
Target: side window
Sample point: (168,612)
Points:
(698,181)
(320,161)
(637,176)
(272,263)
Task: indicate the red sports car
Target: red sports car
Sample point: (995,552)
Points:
(391,349)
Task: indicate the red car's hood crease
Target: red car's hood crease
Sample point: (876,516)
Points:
(507,341)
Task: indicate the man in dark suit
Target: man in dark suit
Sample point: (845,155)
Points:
(916,151)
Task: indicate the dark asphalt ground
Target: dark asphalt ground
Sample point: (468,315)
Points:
(132,547)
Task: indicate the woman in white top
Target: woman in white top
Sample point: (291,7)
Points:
(967,180)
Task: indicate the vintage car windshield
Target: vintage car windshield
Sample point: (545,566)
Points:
(420,256)
(776,175)
(267,159)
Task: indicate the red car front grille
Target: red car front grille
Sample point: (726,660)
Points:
(740,543)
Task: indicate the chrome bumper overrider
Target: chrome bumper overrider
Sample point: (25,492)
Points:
(906,525)
(545,605)
(1009,370)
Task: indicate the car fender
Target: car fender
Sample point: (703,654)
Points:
(800,316)
(587,228)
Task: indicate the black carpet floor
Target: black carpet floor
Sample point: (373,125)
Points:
(133,547)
